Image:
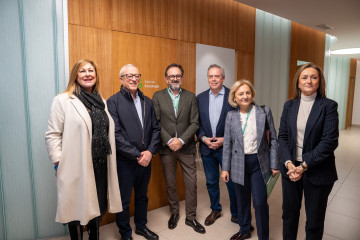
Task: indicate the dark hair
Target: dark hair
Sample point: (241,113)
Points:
(217,66)
(174,65)
(322,84)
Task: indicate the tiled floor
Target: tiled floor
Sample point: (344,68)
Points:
(342,219)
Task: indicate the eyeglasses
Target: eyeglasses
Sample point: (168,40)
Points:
(131,76)
(217,77)
(173,77)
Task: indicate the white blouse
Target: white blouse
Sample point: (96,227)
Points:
(250,134)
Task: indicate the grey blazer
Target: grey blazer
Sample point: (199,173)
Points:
(185,123)
(233,151)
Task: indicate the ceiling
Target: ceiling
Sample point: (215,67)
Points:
(342,15)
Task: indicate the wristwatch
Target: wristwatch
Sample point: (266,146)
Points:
(303,166)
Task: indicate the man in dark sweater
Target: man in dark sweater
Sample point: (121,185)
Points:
(137,135)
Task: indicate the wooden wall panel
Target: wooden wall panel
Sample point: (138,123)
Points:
(307,45)
(227,24)
(97,45)
(152,34)
(223,23)
(186,56)
(152,55)
(92,13)
(245,66)
(188,26)
(351,89)
(155,18)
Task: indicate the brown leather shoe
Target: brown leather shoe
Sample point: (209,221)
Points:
(240,236)
(212,218)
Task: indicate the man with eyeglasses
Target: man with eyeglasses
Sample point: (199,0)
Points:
(137,136)
(177,111)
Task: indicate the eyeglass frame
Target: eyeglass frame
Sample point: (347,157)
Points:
(132,76)
(177,77)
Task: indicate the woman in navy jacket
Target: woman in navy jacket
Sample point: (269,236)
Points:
(308,137)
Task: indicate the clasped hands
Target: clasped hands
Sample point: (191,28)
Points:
(145,158)
(294,173)
(175,144)
(214,142)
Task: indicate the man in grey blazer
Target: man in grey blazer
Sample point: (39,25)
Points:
(177,112)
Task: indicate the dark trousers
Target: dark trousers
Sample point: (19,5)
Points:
(188,167)
(253,183)
(132,175)
(211,164)
(316,198)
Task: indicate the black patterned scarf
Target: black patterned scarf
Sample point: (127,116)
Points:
(100,146)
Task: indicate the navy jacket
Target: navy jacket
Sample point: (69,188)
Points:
(204,119)
(320,139)
(131,139)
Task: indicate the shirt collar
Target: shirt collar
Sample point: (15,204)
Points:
(222,91)
(173,93)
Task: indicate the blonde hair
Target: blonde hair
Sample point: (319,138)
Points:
(73,85)
(235,87)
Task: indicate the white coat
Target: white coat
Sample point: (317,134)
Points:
(68,140)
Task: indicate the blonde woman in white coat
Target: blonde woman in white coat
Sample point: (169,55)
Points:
(81,144)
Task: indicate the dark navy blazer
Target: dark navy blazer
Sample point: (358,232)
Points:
(131,138)
(320,139)
(204,119)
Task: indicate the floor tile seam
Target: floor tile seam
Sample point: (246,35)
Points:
(355,200)
(339,213)
(336,237)
(357,188)
(348,198)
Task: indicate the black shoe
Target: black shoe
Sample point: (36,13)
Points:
(147,233)
(240,236)
(174,218)
(195,225)
(236,220)
(126,238)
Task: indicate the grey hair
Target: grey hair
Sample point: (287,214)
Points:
(126,66)
(217,66)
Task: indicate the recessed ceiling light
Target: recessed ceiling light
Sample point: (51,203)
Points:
(346,51)
(324,27)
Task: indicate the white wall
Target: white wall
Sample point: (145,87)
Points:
(207,55)
(356,105)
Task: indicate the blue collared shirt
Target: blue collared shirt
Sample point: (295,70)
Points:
(137,103)
(215,107)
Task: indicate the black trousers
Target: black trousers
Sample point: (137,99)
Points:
(132,175)
(316,197)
